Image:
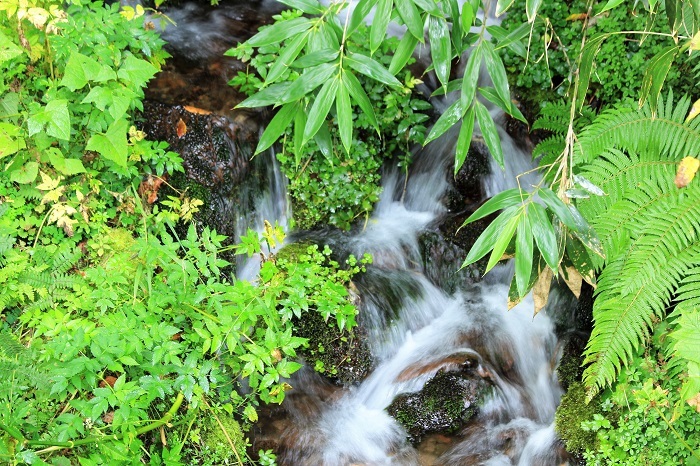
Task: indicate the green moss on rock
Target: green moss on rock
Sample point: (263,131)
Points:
(571,412)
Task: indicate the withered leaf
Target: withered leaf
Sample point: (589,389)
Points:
(540,292)
(686,171)
(181,128)
(197,110)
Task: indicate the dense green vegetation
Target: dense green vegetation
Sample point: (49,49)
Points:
(143,340)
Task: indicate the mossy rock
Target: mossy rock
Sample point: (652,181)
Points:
(446,403)
(216,441)
(573,410)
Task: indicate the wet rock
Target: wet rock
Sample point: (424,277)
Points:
(446,403)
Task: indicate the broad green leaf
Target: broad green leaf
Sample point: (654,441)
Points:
(503,240)
(490,132)
(325,144)
(523,255)
(311,7)
(344,112)
(315,58)
(411,18)
(65,166)
(502,6)
(79,70)
(440,48)
(380,24)
(502,200)
(467,17)
(136,72)
(590,50)
(360,12)
(55,117)
(464,140)
(121,100)
(543,231)
(451,116)
(486,241)
(429,6)
(9,105)
(508,107)
(471,76)
(280,32)
(286,57)
(497,71)
(277,126)
(326,36)
(112,145)
(372,68)
(269,96)
(358,94)
(8,49)
(307,82)
(403,53)
(299,125)
(512,40)
(25,174)
(655,75)
(10,142)
(320,108)
(557,206)
(531,7)
(100,96)
(610,5)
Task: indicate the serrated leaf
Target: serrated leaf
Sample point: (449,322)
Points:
(411,18)
(25,174)
(344,112)
(79,70)
(502,200)
(403,53)
(380,24)
(280,31)
(111,145)
(371,68)
(464,140)
(544,235)
(486,241)
(490,132)
(470,78)
(320,108)
(440,48)
(448,119)
(358,94)
(277,126)
(136,71)
(523,255)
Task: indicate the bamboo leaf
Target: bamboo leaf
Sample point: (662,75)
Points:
(655,75)
(451,116)
(429,6)
(268,96)
(465,139)
(380,24)
(511,39)
(411,18)
(523,255)
(286,57)
(590,50)
(486,241)
(360,12)
(497,71)
(299,125)
(277,126)
(557,206)
(315,58)
(320,108)
(457,32)
(471,76)
(502,6)
(307,82)
(502,200)
(543,231)
(403,53)
(323,139)
(490,133)
(467,17)
(279,32)
(371,68)
(311,7)
(610,5)
(531,7)
(503,240)
(358,94)
(585,233)
(344,112)
(440,48)
(508,107)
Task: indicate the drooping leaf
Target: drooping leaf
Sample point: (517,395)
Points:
(311,7)
(512,40)
(287,56)
(610,5)
(471,76)
(307,82)
(557,206)
(320,108)
(371,68)
(280,32)
(448,119)
(497,71)
(429,6)
(299,125)
(523,255)
(502,6)
(440,48)
(586,184)
(579,257)
(360,96)
(268,96)
(543,231)
(464,140)
(585,233)
(323,139)
(504,238)
(457,32)
(111,145)
(540,292)
(467,16)
(502,200)
(403,53)
(655,75)
(359,13)
(531,7)
(344,112)
(486,241)
(411,18)
(590,51)
(277,126)
(380,23)
(509,107)
(490,132)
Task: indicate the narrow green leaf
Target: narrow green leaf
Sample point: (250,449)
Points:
(512,40)
(280,31)
(464,140)
(578,255)
(299,125)
(502,200)
(371,68)
(323,139)
(523,255)
(307,82)
(557,206)
(502,6)
(429,6)
(403,53)
(610,5)
(344,112)
(531,7)
(286,58)
(590,50)
(467,16)
(509,107)
(457,32)
(311,7)
(486,241)
(490,132)
(655,75)
(277,126)
(112,145)
(585,233)
(451,116)
(315,58)
(320,108)
(411,18)
(497,71)
(452,86)
(503,240)
(380,24)
(543,231)
(440,48)
(471,76)
(360,12)
(358,94)
(268,96)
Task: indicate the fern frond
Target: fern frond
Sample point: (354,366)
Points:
(549,148)
(65,259)
(554,117)
(10,347)
(688,294)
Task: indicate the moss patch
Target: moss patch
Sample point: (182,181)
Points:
(571,412)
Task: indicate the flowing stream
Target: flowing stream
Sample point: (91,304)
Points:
(424,332)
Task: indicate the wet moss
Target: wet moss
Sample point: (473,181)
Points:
(573,410)
(216,442)
(445,404)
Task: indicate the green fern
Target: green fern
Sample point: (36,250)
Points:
(649,228)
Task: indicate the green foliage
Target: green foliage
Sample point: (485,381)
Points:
(571,413)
